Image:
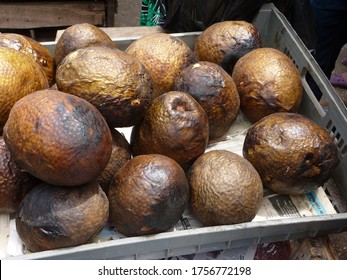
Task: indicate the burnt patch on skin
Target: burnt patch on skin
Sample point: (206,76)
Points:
(237,50)
(37,125)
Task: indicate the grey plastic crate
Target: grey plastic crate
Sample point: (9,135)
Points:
(275,32)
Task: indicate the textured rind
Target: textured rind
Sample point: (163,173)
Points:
(174,125)
(116,83)
(121,153)
(45,59)
(58,137)
(148,195)
(14,183)
(227,41)
(20,75)
(292,154)
(52,217)
(225,189)
(215,91)
(34,49)
(164,56)
(78,36)
(268,82)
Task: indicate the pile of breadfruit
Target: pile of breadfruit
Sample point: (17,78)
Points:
(66,171)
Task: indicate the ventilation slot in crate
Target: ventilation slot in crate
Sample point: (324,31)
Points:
(340,143)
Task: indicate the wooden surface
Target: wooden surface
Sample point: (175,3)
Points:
(28,15)
(110,10)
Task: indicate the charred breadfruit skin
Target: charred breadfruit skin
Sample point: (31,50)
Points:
(52,217)
(148,195)
(174,125)
(78,36)
(226,42)
(215,91)
(34,49)
(292,154)
(268,82)
(20,75)
(116,83)
(14,183)
(163,56)
(58,137)
(121,153)
(224,189)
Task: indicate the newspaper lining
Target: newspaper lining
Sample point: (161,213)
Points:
(277,206)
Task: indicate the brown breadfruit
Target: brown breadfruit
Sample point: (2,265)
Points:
(14,183)
(78,36)
(268,82)
(227,41)
(164,56)
(148,195)
(19,76)
(116,83)
(174,125)
(52,217)
(58,137)
(34,49)
(224,189)
(121,153)
(215,91)
(292,154)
